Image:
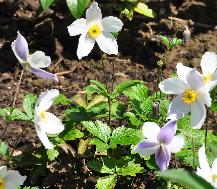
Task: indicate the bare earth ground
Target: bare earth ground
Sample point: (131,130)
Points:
(139,47)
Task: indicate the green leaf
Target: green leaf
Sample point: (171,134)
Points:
(72,135)
(176,42)
(185,178)
(107,182)
(121,87)
(143,9)
(118,109)
(138,92)
(18,115)
(3,112)
(98,99)
(125,136)
(131,169)
(28,105)
(96,87)
(165,40)
(52,154)
(62,99)
(100,145)
(80,100)
(98,129)
(4,150)
(214,106)
(77,7)
(46,4)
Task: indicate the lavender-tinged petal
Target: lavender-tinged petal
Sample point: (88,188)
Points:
(162,157)
(146,148)
(21,47)
(167,132)
(44,74)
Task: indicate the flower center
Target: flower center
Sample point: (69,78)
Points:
(189,96)
(214,178)
(2,183)
(207,78)
(94,31)
(43,116)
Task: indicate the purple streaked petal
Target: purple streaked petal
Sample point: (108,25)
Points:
(162,157)
(21,47)
(146,148)
(44,74)
(167,132)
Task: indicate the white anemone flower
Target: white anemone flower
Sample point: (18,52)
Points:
(32,62)
(47,122)
(205,171)
(10,179)
(209,65)
(192,97)
(95,28)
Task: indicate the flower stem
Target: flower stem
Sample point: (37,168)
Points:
(206,136)
(193,151)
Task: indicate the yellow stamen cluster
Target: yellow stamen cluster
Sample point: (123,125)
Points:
(214,178)
(207,78)
(94,31)
(42,115)
(2,183)
(189,96)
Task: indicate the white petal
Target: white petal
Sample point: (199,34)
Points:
(14,177)
(211,85)
(111,24)
(173,86)
(52,125)
(208,63)
(204,96)
(178,109)
(3,171)
(107,43)
(46,99)
(195,79)
(150,130)
(176,144)
(93,14)
(85,45)
(146,151)
(198,115)
(182,71)
(39,60)
(214,167)
(78,27)
(203,160)
(43,137)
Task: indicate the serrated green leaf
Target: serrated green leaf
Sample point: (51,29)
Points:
(77,7)
(4,150)
(121,87)
(3,112)
(52,154)
(131,169)
(96,87)
(138,92)
(80,100)
(165,40)
(46,4)
(214,106)
(28,105)
(100,145)
(124,136)
(143,9)
(62,99)
(185,178)
(98,129)
(72,135)
(18,115)
(118,109)
(176,42)
(133,119)
(107,182)
(98,99)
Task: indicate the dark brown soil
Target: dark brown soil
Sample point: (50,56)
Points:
(139,48)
